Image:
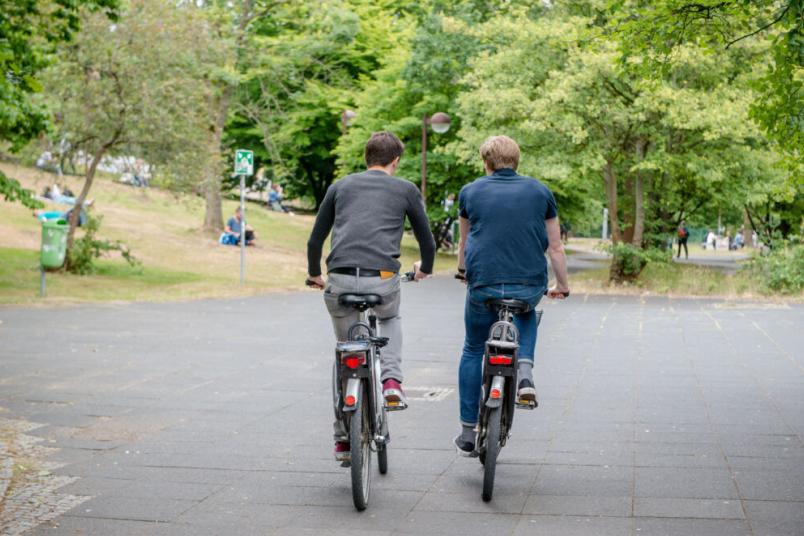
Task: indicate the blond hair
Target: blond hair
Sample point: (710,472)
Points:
(500,152)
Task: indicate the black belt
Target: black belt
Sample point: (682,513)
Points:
(364,272)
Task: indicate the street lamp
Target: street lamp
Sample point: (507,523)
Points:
(347,117)
(440,123)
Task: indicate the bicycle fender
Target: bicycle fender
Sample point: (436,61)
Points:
(352,392)
(497,386)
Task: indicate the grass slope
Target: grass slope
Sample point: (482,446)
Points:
(163,231)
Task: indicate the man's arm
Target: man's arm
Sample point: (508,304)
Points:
(321,229)
(558,260)
(421,230)
(465,228)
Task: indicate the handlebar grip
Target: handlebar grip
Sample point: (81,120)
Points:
(565,294)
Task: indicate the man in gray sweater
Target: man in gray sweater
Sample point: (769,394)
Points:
(366,213)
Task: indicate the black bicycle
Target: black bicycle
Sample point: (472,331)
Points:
(359,393)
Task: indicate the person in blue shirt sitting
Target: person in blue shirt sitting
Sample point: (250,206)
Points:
(233,227)
(508,222)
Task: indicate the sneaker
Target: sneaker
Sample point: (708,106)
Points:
(393,394)
(465,448)
(526,394)
(342,451)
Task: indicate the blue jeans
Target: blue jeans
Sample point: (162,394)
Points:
(478,320)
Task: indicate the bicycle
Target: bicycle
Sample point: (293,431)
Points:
(498,395)
(359,393)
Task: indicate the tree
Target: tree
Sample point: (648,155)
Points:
(659,30)
(30,30)
(588,118)
(132,85)
(300,69)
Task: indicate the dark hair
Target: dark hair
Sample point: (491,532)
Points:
(382,148)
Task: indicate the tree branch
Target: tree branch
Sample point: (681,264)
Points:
(777,19)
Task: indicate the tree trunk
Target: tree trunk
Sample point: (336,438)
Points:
(219,111)
(213,215)
(79,202)
(611,195)
(639,198)
(748,235)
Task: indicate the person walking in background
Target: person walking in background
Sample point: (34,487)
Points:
(683,236)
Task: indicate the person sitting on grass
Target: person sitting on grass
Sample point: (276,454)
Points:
(233,227)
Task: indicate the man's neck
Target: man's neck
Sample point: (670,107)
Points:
(385,169)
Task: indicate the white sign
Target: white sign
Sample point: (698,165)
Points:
(244,162)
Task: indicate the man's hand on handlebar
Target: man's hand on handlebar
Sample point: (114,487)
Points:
(460,275)
(315,282)
(558,293)
(418,274)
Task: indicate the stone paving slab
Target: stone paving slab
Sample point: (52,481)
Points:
(657,417)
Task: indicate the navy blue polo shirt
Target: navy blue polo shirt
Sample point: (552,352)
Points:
(508,237)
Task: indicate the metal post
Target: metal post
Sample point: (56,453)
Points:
(242,229)
(42,281)
(605,232)
(424,159)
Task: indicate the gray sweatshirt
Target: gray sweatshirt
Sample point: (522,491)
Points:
(366,213)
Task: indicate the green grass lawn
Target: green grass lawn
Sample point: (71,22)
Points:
(178,261)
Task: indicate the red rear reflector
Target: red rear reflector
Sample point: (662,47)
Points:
(353,361)
(495,393)
(501,359)
(350,400)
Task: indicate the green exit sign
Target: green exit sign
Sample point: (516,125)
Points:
(244,162)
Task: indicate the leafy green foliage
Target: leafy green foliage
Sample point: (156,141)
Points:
(780,270)
(13,191)
(30,30)
(628,260)
(88,248)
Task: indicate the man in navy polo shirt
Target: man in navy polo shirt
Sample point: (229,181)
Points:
(508,223)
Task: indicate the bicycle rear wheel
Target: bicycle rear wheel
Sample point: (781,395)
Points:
(360,446)
(492,451)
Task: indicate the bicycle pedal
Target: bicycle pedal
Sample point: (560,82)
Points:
(526,404)
(395,406)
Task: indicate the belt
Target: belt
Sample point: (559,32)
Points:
(364,272)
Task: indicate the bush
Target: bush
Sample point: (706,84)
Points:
(81,258)
(781,270)
(628,261)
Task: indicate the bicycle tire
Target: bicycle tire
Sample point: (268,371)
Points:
(360,446)
(492,451)
(382,458)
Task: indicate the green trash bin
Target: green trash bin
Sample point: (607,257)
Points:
(54,243)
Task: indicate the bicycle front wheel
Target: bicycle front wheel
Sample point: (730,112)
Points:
(360,446)
(492,451)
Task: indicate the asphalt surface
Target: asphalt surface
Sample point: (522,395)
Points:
(657,417)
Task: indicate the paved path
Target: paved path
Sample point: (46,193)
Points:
(658,417)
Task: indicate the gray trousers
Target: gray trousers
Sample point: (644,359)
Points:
(390,324)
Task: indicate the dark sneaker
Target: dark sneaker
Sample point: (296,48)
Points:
(526,394)
(343,452)
(465,448)
(393,394)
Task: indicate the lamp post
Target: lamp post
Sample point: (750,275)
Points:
(440,123)
(346,120)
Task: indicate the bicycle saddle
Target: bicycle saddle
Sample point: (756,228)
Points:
(515,306)
(360,301)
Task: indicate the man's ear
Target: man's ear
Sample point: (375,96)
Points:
(395,162)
